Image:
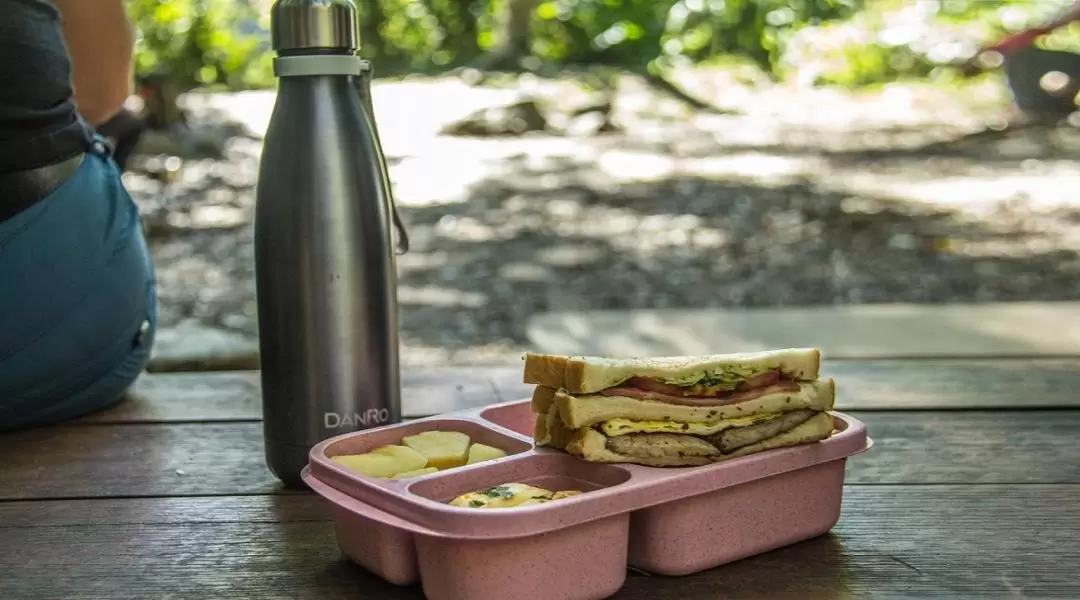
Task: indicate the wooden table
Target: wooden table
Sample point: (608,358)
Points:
(971,491)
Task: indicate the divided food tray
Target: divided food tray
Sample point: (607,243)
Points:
(670,521)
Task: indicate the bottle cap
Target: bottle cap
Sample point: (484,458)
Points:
(314,25)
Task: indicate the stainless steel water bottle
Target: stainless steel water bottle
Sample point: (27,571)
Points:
(324,247)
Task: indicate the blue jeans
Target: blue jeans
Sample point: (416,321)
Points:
(78,299)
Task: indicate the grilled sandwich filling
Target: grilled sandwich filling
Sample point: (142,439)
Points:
(619,427)
(657,439)
(713,389)
(731,436)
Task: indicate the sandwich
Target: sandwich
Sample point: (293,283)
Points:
(679,411)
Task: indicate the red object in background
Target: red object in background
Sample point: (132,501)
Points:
(1027,37)
(1018,41)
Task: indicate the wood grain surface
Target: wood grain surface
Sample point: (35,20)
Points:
(948,542)
(235,396)
(875,385)
(185,459)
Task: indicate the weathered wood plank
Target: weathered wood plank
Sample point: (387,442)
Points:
(956,384)
(877,385)
(235,395)
(135,460)
(226,458)
(155,398)
(858,331)
(290,508)
(948,542)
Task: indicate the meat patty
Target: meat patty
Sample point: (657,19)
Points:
(660,445)
(732,439)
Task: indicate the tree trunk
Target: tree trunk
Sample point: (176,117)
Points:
(514,23)
(468,21)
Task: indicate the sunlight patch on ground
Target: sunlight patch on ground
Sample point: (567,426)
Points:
(971,193)
(436,169)
(409,113)
(629,166)
(445,168)
(212,216)
(433,295)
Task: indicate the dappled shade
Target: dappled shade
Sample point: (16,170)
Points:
(836,199)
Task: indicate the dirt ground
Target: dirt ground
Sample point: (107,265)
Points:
(786,197)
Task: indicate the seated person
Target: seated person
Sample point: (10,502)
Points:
(77,288)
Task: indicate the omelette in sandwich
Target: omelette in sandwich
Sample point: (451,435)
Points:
(679,411)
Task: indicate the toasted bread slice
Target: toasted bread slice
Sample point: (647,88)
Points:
(585,374)
(551,431)
(542,399)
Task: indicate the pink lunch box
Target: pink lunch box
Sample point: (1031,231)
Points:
(669,521)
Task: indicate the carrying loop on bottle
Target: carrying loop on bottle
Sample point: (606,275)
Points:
(363,89)
(351,65)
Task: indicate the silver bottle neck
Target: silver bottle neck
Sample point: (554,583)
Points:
(314,24)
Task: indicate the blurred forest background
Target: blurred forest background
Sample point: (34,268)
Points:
(847,42)
(552,156)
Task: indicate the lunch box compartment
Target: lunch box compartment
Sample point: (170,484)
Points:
(517,417)
(382,549)
(388,494)
(584,562)
(708,530)
(366,441)
(555,472)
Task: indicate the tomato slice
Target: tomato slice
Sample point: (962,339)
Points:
(766,379)
(651,385)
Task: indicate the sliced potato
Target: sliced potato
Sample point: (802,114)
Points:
(480,453)
(416,473)
(443,449)
(384,461)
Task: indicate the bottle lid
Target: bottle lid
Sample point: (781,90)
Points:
(314,25)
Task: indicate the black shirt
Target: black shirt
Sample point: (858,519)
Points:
(39,123)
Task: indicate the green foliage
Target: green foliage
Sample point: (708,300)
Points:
(200,42)
(599,31)
(895,39)
(755,29)
(846,42)
(663,33)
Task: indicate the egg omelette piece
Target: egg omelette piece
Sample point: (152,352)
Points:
(620,426)
(509,495)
